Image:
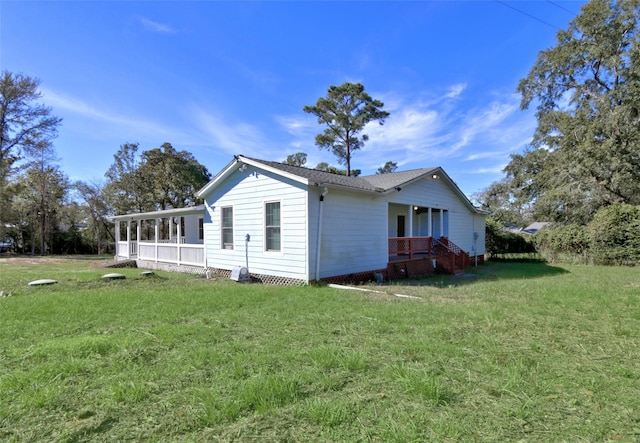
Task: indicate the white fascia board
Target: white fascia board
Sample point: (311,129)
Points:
(222,175)
(452,185)
(159,214)
(458,191)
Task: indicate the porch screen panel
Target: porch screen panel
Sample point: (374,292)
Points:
(227,228)
(272,225)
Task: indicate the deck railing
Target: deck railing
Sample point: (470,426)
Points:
(410,246)
(177,253)
(163,252)
(127,249)
(447,253)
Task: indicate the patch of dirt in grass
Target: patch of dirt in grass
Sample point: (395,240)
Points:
(410,292)
(23,260)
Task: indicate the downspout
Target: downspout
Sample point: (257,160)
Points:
(324,193)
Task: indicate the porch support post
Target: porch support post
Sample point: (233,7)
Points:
(441,222)
(155,241)
(410,227)
(128,238)
(178,241)
(170,229)
(429,223)
(117,238)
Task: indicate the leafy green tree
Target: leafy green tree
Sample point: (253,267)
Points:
(387,168)
(163,178)
(297,159)
(585,153)
(126,190)
(44,190)
(498,199)
(24,122)
(326,167)
(345,111)
(96,211)
(174,176)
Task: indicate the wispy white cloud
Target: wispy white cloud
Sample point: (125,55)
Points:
(456,90)
(481,123)
(230,137)
(427,129)
(104,116)
(423,130)
(154,26)
(497,169)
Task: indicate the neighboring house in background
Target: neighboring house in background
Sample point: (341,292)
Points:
(289,224)
(535,227)
(511,227)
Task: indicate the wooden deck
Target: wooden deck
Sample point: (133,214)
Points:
(429,252)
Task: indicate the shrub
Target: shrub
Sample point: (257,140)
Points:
(499,241)
(614,235)
(565,243)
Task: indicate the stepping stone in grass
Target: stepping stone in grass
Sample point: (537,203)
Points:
(114,276)
(147,273)
(43,282)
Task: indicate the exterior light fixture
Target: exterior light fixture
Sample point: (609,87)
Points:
(415,208)
(435,176)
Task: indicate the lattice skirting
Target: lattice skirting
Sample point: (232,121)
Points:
(394,271)
(196,270)
(120,264)
(261,278)
(215,272)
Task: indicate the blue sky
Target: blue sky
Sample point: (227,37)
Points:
(225,78)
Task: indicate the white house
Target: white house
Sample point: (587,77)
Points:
(290,224)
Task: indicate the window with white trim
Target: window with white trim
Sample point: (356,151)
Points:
(227,227)
(272,226)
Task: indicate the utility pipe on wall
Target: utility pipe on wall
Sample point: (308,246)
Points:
(324,193)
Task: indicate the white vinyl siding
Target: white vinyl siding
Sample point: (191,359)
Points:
(248,191)
(353,233)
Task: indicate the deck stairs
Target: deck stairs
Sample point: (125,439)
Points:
(450,256)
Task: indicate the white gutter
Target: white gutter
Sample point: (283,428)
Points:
(324,193)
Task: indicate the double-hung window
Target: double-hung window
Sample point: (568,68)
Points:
(227,227)
(272,226)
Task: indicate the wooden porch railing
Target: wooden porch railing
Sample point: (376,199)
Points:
(454,258)
(410,246)
(444,251)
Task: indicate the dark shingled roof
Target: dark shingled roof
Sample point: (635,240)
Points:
(373,183)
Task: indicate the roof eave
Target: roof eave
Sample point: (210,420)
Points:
(347,188)
(272,170)
(223,174)
(158,214)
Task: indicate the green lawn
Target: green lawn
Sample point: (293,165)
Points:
(515,352)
